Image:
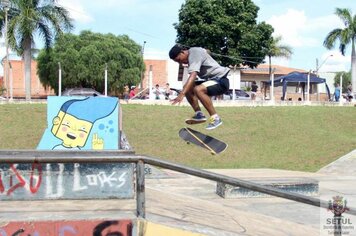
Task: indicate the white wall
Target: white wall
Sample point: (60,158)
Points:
(329,76)
(172,72)
(235,79)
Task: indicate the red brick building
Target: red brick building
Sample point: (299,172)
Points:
(159,73)
(18,81)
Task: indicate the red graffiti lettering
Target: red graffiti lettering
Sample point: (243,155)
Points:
(35,188)
(21,182)
(35,179)
(1,185)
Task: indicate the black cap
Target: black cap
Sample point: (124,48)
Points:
(175,50)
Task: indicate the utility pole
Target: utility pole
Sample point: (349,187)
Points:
(11,83)
(142,73)
(6,5)
(59,79)
(317,68)
(106,80)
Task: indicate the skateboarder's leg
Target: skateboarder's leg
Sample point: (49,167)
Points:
(201,92)
(193,100)
(198,117)
(204,93)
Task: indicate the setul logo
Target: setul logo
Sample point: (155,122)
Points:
(338,205)
(337,224)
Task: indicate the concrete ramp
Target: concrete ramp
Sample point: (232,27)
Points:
(304,186)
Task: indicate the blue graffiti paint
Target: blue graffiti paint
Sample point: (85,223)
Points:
(64,229)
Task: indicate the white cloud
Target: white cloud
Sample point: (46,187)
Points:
(289,26)
(298,30)
(84,6)
(77,10)
(335,63)
(155,54)
(116,3)
(325,23)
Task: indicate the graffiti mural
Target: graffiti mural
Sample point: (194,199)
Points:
(66,181)
(76,123)
(69,228)
(81,123)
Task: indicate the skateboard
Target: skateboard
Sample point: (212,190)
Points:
(214,145)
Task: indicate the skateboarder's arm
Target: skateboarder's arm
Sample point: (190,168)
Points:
(189,85)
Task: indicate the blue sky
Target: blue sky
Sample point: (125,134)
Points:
(303,25)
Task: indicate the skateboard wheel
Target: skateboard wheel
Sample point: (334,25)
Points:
(188,142)
(212,153)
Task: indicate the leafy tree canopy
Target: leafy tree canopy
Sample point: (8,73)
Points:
(227,28)
(83,59)
(344,36)
(346,80)
(28,18)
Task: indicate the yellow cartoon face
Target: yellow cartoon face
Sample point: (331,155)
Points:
(71,130)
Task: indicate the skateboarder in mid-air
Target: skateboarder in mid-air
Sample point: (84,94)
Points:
(215,82)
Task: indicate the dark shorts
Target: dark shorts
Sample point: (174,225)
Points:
(217,86)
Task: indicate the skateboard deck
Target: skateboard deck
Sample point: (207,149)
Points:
(215,146)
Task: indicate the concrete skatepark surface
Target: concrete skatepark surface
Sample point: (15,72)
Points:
(190,203)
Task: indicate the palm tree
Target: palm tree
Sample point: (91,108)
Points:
(345,36)
(28,18)
(278,50)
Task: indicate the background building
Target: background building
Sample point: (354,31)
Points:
(164,71)
(17,73)
(168,71)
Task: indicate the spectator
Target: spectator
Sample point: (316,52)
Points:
(167,91)
(349,96)
(157,92)
(337,93)
(132,92)
(254,88)
(126,92)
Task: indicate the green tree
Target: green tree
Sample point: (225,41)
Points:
(34,17)
(83,59)
(345,36)
(346,79)
(225,27)
(2,18)
(277,49)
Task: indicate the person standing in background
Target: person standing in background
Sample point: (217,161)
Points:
(337,93)
(254,88)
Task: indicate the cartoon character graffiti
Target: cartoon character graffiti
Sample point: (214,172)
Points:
(73,124)
(75,120)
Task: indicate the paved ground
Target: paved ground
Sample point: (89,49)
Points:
(197,202)
(186,202)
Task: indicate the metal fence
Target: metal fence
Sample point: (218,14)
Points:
(125,156)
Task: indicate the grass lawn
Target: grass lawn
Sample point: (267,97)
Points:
(292,138)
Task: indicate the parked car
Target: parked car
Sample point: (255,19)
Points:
(81,92)
(239,95)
